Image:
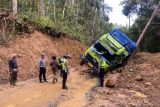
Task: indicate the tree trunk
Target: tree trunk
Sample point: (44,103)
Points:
(73,2)
(84,6)
(129,17)
(54,9)
(3,31)
(144,31)
(14,8)
(77,11)
(33,5)
(146,27)
(48,6)
(94,21)
(63,12)
(42,8)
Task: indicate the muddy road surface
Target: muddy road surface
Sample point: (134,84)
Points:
(31,93)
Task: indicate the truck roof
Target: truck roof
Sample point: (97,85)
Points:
(124,40)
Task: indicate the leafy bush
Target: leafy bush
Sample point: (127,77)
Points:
(22,25)
(43,22)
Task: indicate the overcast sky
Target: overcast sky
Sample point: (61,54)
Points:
(116,15)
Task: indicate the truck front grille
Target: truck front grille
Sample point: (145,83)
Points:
(91,60)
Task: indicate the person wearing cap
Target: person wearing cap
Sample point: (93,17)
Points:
(64,70)
(101,69)
(42,68)
(13,69)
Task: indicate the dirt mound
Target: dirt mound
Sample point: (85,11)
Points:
(29,49)
(137,86)
(148,67)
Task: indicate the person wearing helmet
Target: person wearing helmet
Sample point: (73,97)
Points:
(13,68)
(64,70)
(101,69)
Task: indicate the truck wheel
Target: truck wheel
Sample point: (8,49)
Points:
(81,63)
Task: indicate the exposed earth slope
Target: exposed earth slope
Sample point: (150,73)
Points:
(29,50)
(137,85)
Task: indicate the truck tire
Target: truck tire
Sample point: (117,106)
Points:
(81,63)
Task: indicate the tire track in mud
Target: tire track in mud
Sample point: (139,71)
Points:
(31,93)
(78,88)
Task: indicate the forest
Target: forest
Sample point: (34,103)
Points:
(85,20)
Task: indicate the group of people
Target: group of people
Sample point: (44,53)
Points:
(56,65)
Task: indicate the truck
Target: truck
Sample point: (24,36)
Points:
(115,47)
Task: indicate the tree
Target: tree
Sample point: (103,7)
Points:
(15,8)
(83,19)
(143,9)
(42,7)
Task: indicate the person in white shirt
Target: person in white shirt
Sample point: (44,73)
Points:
(42,68)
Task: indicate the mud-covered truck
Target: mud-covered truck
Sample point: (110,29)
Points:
(115,47)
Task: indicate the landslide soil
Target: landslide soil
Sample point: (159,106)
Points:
(29,50)
(137,86)
(29,92)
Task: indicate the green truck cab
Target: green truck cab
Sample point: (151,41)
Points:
(115,48)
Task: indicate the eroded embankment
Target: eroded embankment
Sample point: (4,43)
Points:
(29,50)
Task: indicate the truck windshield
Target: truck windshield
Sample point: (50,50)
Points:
(106,54)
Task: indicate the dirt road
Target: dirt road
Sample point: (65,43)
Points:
(79,85)
(31,93)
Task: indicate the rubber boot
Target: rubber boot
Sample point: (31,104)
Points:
(14,82)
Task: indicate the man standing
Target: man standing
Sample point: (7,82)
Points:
(54,67)
(64,70)
(42,68)
(101,69)
(13,68)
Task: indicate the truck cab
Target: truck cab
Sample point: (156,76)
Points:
(112,51)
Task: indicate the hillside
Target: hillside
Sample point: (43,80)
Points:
(29,49)
(137,85)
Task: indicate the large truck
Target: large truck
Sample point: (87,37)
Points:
(115,48)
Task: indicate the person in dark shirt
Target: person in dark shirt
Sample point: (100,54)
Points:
(13,69)
(54,68)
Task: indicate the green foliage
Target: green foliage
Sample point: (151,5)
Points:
(5,4)
(144,10)
(43,22)
(21,25)
(82,19)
